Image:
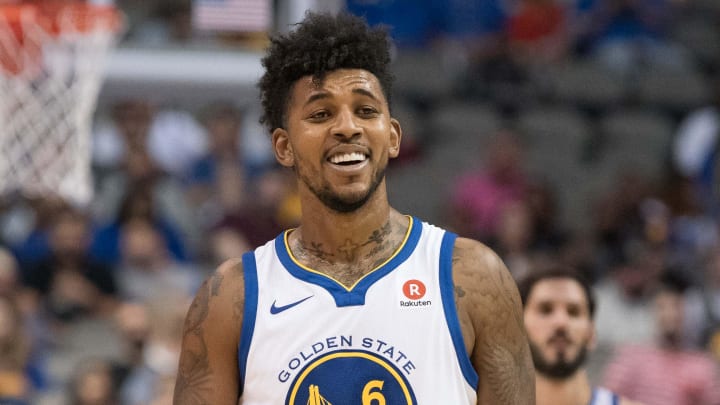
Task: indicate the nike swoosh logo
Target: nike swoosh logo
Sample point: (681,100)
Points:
(276,310)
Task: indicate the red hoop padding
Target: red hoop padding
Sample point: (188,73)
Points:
(15,52)
(80,17)
(54,18)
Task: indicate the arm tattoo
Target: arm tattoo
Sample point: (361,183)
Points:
(198,310)
(194,370)
(508,369)
(503,356)
(459,253)
(216,282)
(238,307)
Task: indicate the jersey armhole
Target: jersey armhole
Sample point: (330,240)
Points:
(447,292)
(249,311)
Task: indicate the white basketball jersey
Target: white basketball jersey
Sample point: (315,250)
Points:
(393,338)
(603,396)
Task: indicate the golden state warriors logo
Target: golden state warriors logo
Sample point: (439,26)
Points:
(350,377)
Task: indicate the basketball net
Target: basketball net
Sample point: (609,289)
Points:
(52,56)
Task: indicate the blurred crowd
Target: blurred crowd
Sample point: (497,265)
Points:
(92,298)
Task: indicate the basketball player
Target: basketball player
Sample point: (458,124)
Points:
(558,311)
(360,304)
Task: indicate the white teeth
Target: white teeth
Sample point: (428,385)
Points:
(347,157)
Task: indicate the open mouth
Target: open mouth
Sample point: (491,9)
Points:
(348,159)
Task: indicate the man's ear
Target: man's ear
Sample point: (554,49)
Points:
(283,148)
(395,138)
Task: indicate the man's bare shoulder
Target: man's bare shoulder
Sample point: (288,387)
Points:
(227,283)
(229,273)
(224,288)
(476,265)
(481,276)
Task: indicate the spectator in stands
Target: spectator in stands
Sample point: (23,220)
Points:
(625,296)
(549,234)
(93,383)
(172,138)
(132,323)
(528,233)
(537,31)
(139,203)
(558,308)
(9,272)
(170,22)
(15,382)
(476,25)
(161,353)
(262,211)
(665,373)
(31,325)
(411,23)
(692,231)
(67,282)
(223,122)
(136,169)
(128,129)
(464,31)
(36,216)
(513,238)
(702,307)
(627,35)
(146,267)
(478,196)
(226,243)
(696,151)
(618,216)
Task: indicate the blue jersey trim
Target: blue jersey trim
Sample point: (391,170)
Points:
(249,312)
(356,295)
(615,397)
(447,291)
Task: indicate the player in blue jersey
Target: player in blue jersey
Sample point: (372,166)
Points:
(360,304)
(558,309)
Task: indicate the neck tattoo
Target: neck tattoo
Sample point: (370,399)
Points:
(346,263)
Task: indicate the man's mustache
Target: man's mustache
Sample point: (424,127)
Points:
(561,336)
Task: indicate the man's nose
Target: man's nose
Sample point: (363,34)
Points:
(559,318)
(346,125)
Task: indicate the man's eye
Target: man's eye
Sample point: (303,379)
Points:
(367,111)
(319,115)
(574,311)
(545,309)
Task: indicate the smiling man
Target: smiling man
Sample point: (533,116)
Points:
(558,311)
(360,304)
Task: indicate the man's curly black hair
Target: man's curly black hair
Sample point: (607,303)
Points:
(320,44)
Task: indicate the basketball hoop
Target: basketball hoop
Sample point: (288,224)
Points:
(52,56)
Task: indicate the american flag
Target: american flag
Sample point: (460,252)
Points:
(232,15)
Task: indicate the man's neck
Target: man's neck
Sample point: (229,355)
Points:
(346,246)
(321,225)
(574,390)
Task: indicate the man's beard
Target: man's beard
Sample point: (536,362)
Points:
(561,369)
(338,203)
